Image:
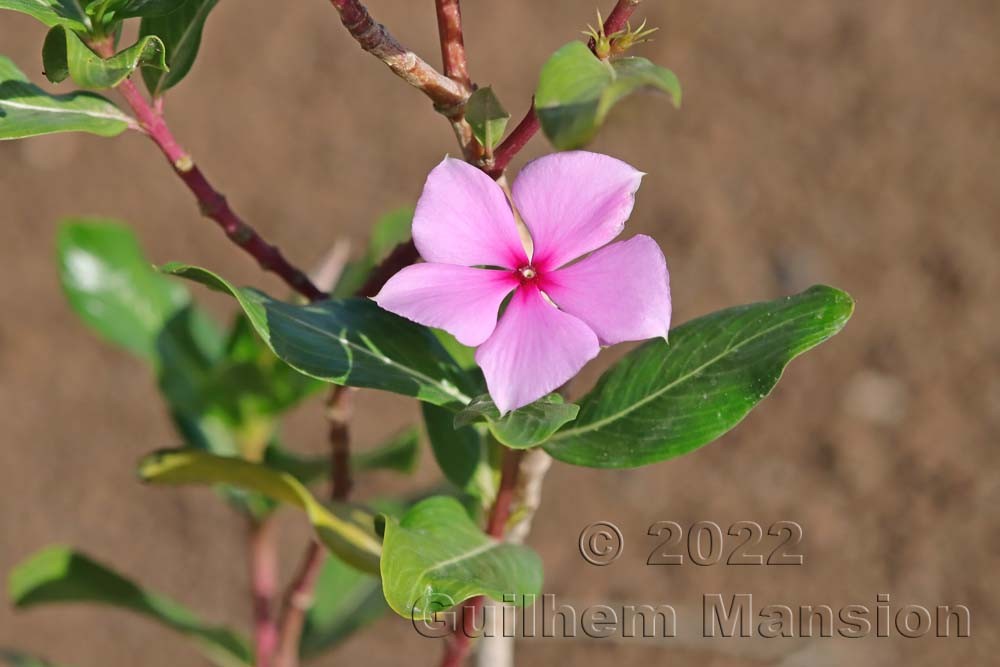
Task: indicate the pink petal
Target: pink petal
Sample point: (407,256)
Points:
(574,203)
(464,218)
(461,300)
(535,349)
(622,291)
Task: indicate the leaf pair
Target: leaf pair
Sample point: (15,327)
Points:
(65,55)
(660,401)
(576,90)
(27,111)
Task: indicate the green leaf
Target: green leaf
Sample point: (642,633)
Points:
(112,287)
(487,117)
(523,428)
(399,453)
(64,54)
(461,453)
(27,111)
(435,557)
(662,400)
(345,600)
(349,342)
(18,659)
(59,574)
(67,13)
(181,34)
(348,532)
(388,232)
(576,91)
(251,384)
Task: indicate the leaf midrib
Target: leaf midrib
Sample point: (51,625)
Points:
(638,404)
(64,110)
(367,352)
(472,553)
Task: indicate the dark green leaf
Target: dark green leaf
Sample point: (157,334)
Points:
(347,532)
(64,54)
(112,287)
(250,384)
(59,574)
(348,341)
(461,453)
(180,31)
(487,117)
(436,557)
(388,232)
(663,400)
(26,110)
(523,428)
(67,13)
(576,91)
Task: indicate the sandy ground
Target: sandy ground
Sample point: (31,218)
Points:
(847,142)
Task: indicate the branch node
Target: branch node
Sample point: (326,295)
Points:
(184,164)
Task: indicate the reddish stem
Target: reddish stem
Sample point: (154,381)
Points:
(529,125)
(212,203)
(461,640)
(264,585)
(618,18)
(449,17)
(514,142)
(299,598)
(401,256)
(298,601)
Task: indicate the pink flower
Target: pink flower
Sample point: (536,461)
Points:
(561,313)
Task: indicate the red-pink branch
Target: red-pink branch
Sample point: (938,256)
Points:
(298,600)
(212,203)
(514,142)
(529,125)
(449,17)
(618,18)
(263,560)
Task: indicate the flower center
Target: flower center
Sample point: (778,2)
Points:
(527,274)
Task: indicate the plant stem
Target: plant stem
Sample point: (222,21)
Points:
(449,17)
(212,203)
(298,601)
(299,598)
(401,256)
(448,96)
(514,142)
(461,640)
(263,560)
(529,125)
(618,18)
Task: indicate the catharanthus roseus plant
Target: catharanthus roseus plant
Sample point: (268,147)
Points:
(479,302)
(561,312)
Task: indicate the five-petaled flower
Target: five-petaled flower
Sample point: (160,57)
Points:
(562,311)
